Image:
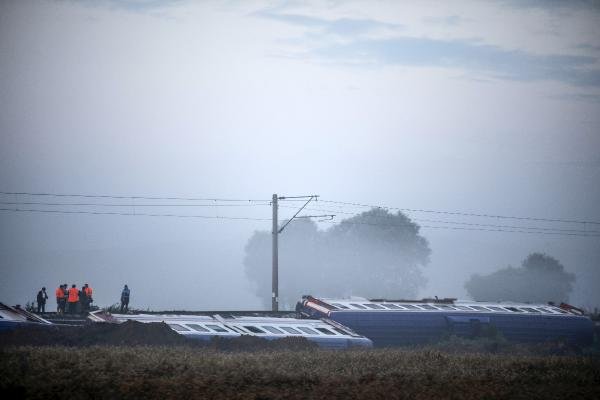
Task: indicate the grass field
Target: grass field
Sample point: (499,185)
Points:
(106,372)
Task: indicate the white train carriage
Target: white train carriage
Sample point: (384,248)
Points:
(325,333)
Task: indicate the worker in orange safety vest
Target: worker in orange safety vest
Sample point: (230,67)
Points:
(88,291)
(73,299)
(87,295)
(59,299)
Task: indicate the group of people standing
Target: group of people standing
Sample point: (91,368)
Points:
(78,300)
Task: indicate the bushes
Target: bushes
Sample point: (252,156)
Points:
(192,372)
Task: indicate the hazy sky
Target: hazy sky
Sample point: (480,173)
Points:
(482,107)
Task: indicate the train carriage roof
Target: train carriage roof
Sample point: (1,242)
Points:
(360,304)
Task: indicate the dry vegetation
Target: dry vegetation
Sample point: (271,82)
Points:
(135,360)
(107,372)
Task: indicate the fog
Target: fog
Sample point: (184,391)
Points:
(484,108)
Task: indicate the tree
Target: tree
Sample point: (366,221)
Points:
(541,278)
(373,254)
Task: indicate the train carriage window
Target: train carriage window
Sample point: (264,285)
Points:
(307,330)
(338,305)
(391,306)
(341,332)
(374,306)
(291,330)
(197,327)
(494,308)
(548,310)
(216,328)
(409,307)
(529,310)
(325,331)
(427,307)
(445,307)
(237,329)
(463,308)
(360,307)
(177,327)
(274,330)
(253,329)
(480,308)
(513,309)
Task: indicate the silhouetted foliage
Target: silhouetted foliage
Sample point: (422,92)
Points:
(541,278)
(373,254)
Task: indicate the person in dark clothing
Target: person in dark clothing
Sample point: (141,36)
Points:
(63,303)
(41,300)
(83,301)
(125,299)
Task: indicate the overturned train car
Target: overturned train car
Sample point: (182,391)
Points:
(15,317)
(395,323)
(325,333)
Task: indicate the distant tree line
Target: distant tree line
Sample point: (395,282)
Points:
(379,254)
(541,278)
(373,254)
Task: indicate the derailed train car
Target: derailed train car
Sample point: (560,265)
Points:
(394,323)
(323,332)
(14,317)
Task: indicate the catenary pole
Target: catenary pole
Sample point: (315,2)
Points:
(276,231)
(275,271)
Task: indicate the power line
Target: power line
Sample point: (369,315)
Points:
(467,229)
(257,202)
(133,214)
(105,196)
(463,213)
(266,201)
(437,221)
(30,203)
(135,205)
